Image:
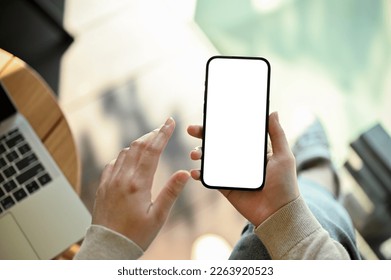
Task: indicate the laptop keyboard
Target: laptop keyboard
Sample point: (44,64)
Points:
(21,173)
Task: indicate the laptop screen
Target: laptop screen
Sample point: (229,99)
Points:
(7,108)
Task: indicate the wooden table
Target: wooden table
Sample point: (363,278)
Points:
(36,101)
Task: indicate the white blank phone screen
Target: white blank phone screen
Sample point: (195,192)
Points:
(235,117)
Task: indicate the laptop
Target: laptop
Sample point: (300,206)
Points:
(40,213)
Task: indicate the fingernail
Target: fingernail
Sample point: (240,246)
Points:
(277,117)
(169,121)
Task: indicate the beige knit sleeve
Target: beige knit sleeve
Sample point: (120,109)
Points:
(102,243)
(294,233)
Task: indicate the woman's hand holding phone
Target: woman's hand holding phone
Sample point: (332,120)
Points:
(280,182)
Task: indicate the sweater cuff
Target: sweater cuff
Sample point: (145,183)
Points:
(287,227)
(102,243)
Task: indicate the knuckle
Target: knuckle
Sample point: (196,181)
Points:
(164,132)
(99,192)
(132,186)
(135,144)
(152,150)
(123,152)
(138,144)
(121,183)
(108,166)
(289,160)
(116,181)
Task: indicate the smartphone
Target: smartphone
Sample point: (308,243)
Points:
(236,109)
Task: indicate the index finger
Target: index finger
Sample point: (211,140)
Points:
(150,157)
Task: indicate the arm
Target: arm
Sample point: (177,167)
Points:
(294,233)
(268,208)
(101,243)
(125,218)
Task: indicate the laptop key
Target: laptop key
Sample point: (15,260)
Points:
(7,202)
(32,187)
(13,131)
(9,171)
(28,160)
(10,185)
(19,194)
(11,156)
(14,140)
(30,173)
(25,148)
(2,193)
(44,179)
(3,163)
(2,148)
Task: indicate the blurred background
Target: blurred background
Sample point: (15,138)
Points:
(120,68)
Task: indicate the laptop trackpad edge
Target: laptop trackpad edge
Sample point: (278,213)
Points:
(13,243)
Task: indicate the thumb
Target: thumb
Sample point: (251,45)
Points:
(278,139)
(169,193)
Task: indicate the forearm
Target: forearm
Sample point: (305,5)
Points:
(294,233)
(102,243)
